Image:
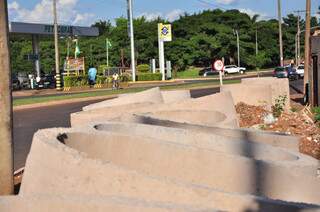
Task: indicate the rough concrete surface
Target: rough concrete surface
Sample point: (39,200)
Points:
(175,96)
(152,95)
(157,151)
(217,109)
(101,168)
(279,87)
(275,139)
(258,95)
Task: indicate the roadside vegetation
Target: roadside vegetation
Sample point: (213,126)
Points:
(197,40)
(99,93)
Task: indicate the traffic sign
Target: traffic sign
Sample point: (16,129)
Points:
(165,32)
(218,65)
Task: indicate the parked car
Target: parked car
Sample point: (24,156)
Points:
(233,69)
(208,72)
(286,72)
(15,82)
(300,71)
(46,81)
(24,80)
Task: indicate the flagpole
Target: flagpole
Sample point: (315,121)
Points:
(107,48)
(75,52)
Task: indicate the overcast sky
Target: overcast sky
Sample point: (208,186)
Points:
(85,12)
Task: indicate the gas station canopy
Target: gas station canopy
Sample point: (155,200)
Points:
(47,29)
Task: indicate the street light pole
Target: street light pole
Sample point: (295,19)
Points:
(280,32)
(56,45)
(238,45)
(6,152)
(133,62)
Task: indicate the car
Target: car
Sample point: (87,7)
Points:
(208,72)
(286,72)
(46,81)
(300,71)
(24,80)
(15,83)
(233,69)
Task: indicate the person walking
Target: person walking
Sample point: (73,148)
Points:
(115,80)
(92,74)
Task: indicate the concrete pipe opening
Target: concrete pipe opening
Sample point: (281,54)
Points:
(208,118)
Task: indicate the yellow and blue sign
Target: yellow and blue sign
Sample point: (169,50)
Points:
(165,32)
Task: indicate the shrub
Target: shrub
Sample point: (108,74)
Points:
(75,81)
(149,77)
(143,68)
(67,81)
(316,112)
(101,69)
(101,80)
(125,78)
(278,108)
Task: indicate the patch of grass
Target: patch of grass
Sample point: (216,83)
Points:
(190,73)
(41,99)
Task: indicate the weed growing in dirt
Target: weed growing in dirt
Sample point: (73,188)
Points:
(316,112)
(278,108)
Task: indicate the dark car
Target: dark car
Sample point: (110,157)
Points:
(15,83)
(208,72)
(46,81)
(286,72)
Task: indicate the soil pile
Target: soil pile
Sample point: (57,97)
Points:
(299,123)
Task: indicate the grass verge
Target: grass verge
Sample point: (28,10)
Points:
(47,99)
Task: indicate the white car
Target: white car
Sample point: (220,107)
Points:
(300,71)
(232,69)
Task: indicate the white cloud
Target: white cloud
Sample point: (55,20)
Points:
(151,16)
(42,13)
(174,14)
(170,16)
(251,13)
(226,2)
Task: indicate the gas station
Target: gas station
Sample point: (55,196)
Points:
(37,30)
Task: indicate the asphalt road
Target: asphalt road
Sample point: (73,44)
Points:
(27,122)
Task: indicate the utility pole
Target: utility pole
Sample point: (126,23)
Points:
(298,48)
(122,58)
(307,47)
(257,52)
(107,51)
(6,146)
(280,32)
(236,32)
(56,45)
(133,62)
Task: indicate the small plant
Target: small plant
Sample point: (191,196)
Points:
(316,112)
(143,68)
(279,106)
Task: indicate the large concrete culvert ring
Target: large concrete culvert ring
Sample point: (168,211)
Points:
(224,144)
(203,167)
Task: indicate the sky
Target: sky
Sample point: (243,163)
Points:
(86,12)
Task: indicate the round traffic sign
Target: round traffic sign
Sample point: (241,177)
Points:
(218,65)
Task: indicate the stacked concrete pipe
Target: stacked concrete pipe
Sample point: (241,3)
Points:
(160,151)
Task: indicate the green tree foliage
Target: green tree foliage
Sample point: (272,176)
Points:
(198,39)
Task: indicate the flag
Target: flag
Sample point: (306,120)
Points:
(77,49)
(108,43)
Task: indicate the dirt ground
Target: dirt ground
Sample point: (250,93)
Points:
(298,122)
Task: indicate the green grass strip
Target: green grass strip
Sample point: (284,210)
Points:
(43,99)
